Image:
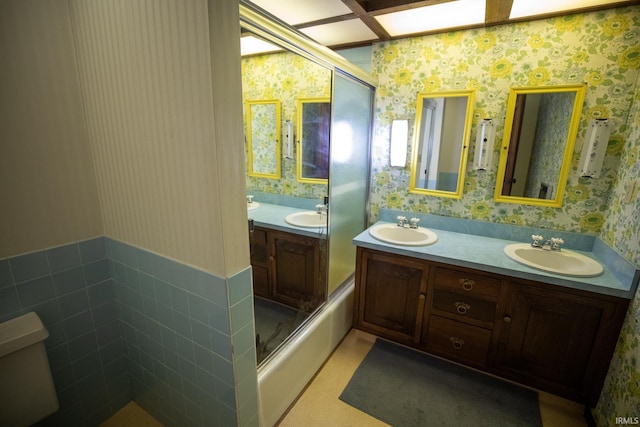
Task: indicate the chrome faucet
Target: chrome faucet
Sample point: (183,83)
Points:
(552,244)
(402,221)
(321,209)
(413,223)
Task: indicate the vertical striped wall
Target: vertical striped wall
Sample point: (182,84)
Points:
(165,127)
(48,190)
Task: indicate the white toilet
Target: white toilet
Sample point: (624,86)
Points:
(27,393)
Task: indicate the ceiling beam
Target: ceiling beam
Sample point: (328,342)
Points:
(497,11)
(358,9)
(380,7)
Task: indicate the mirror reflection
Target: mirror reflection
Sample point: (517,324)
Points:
(263,130)
(289,261)
(442,131)
(314,125)
(538,141)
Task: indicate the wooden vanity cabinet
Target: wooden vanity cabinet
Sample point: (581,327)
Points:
(460,314)
(391,295)
(553,338)
(286,268)
(260,263)
(558,340)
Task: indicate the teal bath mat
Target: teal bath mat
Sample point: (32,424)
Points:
(406,388)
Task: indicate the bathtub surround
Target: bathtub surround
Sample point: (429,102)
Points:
(127,324)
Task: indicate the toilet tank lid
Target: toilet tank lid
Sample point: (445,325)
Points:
(21,332)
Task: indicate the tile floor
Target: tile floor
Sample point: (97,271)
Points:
(319,406)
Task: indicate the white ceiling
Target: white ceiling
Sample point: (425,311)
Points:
(347,23)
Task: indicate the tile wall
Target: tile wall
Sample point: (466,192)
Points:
(71,290)
(127,324)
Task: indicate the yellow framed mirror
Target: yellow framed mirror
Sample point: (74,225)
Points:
(262,121)
(537,146)
(314,127)
(441,143)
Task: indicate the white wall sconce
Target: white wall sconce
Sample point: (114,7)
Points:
(398,151)
(287,139)
(484,145)
(594,148)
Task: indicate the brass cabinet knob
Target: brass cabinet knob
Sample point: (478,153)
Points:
(507,319)
(457,343)
(467,284)
(462,308)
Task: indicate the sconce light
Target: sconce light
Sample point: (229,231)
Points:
(287,139)
(484,145)
(398,152)
(594,148)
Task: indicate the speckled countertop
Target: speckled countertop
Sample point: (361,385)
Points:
(272,216)
(487,254)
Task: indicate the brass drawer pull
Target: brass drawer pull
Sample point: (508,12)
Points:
(467,284)
(507,319)
(462,308)
(457,343)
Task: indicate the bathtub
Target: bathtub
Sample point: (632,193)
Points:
(283,377)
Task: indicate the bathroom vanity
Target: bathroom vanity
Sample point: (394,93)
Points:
(287,261)
(530,328)
(286,268)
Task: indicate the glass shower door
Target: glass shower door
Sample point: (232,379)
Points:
(349,170)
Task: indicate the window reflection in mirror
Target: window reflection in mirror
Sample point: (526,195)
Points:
(442,131)
(263,138)
(539,135)
(314,124)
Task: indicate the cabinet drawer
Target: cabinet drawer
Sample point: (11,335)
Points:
(460,281)
(464,306)
(458,341)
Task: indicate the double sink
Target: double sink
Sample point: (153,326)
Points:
(562,262)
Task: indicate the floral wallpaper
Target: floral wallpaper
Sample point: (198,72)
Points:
(599,48)
(621,393)
(264,136)
(285,77)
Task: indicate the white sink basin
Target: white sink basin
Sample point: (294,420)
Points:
(564,262)
(307,219)
(252,205)
(391,233)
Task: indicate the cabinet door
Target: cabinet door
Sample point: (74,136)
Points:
(552,340)
(295,271)
(260,263)
(391,296)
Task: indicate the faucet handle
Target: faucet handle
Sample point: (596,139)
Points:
(414,222)
(556,242)
(537,240)
(402,220)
